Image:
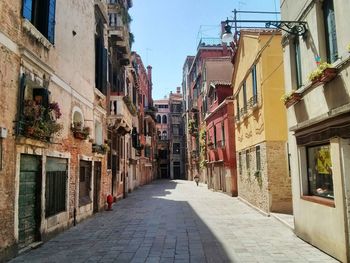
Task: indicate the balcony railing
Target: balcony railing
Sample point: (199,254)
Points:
(221,144)
(119,109)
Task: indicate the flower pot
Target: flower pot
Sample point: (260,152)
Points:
(328,74)
(79,135)
(293,98)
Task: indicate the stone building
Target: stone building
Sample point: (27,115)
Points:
(171,141)
(318,122)
(194,87)
(176,139)
(163,132)
(122,102)
(260,129)
(53,92)
(218,140)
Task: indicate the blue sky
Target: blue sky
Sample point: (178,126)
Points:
(167,31)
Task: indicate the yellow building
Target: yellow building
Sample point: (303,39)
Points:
(261,127)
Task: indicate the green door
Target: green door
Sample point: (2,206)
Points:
(29,200)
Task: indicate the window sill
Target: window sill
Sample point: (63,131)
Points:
(35,33)
(318,200)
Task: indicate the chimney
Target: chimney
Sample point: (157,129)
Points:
(149,73)
(178,90)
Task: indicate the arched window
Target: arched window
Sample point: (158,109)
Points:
(159,134)
(164,135)
(164,119)
(158,118)
(77,118)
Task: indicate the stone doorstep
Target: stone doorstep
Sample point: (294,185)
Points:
(30,247)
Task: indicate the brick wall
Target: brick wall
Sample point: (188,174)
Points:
(279,179)
(8,107)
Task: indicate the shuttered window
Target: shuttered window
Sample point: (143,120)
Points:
(41,13)
(298,76)
(56,182)
(254,84)
(330,30)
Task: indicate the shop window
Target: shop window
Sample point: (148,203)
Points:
(240,163)
(56,182)
(41,13)
(319,165)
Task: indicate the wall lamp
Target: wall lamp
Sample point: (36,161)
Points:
(297,28)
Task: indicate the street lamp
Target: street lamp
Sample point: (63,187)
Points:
(297,28)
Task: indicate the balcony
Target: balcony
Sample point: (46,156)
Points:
(101,6)
(120,113)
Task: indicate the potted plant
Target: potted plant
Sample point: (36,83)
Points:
(41,122)
(79,131)
(291,98)
(102,149)
(325,72)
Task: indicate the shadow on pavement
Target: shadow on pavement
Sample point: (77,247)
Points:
(148,226)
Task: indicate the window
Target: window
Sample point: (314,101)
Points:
(56,182)
(164,119)
(257,157)
(41,13)
(255,87)
(244,95)
(240,163)
(330,30)
(176,130)
(247,161)
(237,108)
(164,135)
(297,62)
(158,119)
(319,162)
(85,183)
(148,151)
(215,136)
(100,60)
(223,134)
(176,148)
(215,96)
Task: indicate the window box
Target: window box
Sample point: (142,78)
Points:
(101,149)
(291,98)
(80,132)
(323,74)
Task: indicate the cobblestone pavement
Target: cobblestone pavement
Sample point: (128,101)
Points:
(176,221)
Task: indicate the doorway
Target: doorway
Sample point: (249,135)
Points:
(29,204)
(97,185)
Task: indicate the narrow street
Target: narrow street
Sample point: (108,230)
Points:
(176,221)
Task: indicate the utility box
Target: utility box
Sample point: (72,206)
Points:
(3,132)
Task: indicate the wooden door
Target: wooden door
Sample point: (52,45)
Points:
(97,185)
(29,208)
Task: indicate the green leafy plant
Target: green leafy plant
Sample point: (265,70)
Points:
(287,96)
(203,147)
(192,127)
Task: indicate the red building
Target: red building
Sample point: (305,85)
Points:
(220,136)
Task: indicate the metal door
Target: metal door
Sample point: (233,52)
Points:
(97,185)
(29,200)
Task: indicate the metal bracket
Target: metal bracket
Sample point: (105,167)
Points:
(297,28)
